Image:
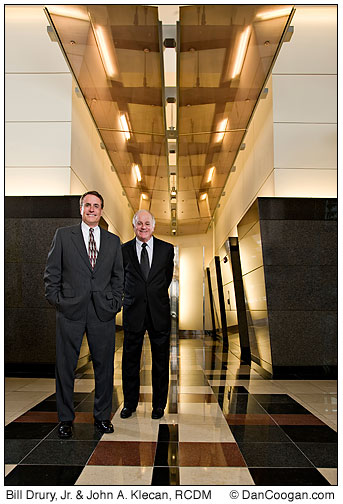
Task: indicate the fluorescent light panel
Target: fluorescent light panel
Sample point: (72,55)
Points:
(221,128)
(137,172)
(210,174)
(125,126)
(273,14)
(69,11)
(241,52)
(105,50)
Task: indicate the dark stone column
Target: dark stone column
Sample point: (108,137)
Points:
(221,303)
(289,250)
(30,224)
(208,273)
(240,301)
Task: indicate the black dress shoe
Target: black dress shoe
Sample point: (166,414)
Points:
(157,413)
(65,430)
(126,412)
(104,426)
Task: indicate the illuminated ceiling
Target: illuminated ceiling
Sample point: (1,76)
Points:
(172,102)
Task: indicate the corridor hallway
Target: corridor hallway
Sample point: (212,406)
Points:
(224,425)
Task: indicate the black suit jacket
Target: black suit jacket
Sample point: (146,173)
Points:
(138,292)
(70,281)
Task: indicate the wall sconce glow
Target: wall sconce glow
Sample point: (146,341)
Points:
(137,172)
(203,196)
(125,126)
(241,52)
(273,14)
(105,51)
(222,128)
(210,174)
(145,196)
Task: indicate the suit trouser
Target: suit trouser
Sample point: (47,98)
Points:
(101,342)
(132,349)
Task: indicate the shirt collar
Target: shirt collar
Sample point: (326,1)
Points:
(85,227)
(149,243)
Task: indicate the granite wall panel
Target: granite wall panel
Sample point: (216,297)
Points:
(296,285)
(30,224)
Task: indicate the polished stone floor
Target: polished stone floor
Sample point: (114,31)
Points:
(224,425)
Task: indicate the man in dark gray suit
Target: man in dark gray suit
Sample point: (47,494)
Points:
(148,270)
(84,281)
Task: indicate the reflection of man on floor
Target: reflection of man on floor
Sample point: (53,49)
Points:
(148,270)
(84,281)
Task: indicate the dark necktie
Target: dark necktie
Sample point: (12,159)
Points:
(92,247)
(145,267)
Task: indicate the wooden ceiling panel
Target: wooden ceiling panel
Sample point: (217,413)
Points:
(215,106)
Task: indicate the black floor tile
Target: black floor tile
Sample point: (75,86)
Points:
(310,433)
(288,409)
(61,452)
(237,389)
(85,406)
(34,430)
(258,433)
(320,454)
(168,433)
(274,398)
(17,449)
(286,476)
(167,454)
(81,432)
(46,406)
(243,404)
(165,476)
(43,475)
(273,455)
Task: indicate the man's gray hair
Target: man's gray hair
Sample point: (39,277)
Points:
(135,217)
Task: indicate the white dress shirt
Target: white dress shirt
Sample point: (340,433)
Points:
(149,249)
(85,231)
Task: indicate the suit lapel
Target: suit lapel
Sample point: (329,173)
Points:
(78,240)
(156,256)
(134,258)
(103,248)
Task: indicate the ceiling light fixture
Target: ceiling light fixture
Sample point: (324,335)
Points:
(210,174)
(145,196)
(106,51)
(173,191)
(137,172)
(241,52)
(203,196)
(273,14)
(125,126)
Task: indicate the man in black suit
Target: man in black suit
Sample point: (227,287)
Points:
(148,270)
(84,281)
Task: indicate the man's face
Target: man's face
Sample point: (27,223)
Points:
(144,226)
(91,210)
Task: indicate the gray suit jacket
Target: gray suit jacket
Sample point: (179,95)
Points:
(70,281)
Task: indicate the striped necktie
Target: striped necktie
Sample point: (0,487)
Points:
(92,248)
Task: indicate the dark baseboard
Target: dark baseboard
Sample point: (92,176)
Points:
(305,372)
(30,370)
(41,369)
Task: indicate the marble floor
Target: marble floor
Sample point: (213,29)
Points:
(224,425)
